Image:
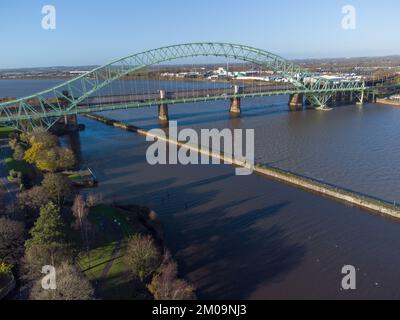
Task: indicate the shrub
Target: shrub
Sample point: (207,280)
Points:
(19,152)
(13,174)
(93,200)
(13,143)
(5,268)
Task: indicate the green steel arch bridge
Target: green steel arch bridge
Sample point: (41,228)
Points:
(85,93)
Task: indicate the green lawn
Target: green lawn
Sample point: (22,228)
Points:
(6,130)
(112,213)
(75,177)
(94,263)
(117,284)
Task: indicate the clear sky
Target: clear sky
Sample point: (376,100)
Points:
(97,31)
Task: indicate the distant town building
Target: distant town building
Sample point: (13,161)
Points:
(77,72)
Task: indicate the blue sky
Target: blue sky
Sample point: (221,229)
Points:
(95,32)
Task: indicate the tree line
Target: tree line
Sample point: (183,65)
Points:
(51,226)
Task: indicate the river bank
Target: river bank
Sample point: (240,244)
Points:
(388,102)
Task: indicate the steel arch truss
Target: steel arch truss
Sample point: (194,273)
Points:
(44,108)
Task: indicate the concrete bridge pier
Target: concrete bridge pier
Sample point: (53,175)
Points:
(338,98)
(70,120)
(341,98)
(296,102)
(372,97)
(235,102)
(163,108)
(67,123)
(346,97)
(360,99)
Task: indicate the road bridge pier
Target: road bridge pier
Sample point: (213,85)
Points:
(341,98)
(360,99)
(372,97)
(67,123)
(235,101)
(70,120)
(296,102)
(163,108)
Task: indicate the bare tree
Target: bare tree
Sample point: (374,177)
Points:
(33,198)
(71,285)
(166,285)
(12,236)
(80,210)
(58,187)
(36,256)
(19,152)
(142,256)
(42,136)
(66,158)
(93,199)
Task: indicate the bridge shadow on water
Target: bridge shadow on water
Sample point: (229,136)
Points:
(225,234)
(224,248)
(162,192)
(229,257)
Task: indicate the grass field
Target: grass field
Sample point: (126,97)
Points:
(104,264)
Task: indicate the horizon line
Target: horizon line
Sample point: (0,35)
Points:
(291,59)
